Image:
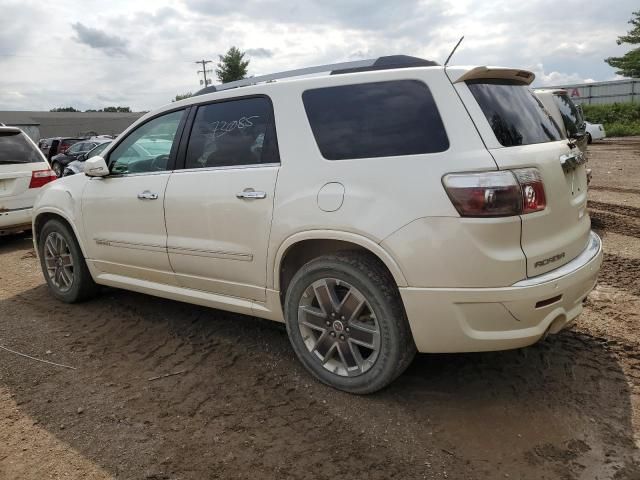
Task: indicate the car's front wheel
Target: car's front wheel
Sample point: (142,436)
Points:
(346,322)
(57,168)
(63,264)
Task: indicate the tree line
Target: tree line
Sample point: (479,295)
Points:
(105,109)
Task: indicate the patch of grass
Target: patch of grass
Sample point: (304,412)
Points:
(619,119)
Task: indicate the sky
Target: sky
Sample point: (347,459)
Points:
(92,54)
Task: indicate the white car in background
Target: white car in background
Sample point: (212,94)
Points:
(23,170)
(595,131)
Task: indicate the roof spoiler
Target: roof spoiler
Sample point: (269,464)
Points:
(479,73)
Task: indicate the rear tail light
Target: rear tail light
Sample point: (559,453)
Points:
(496,194)
(40,178)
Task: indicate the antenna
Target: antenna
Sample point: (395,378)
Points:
(453,51)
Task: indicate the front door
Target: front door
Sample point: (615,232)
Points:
(124,212)
(218,209)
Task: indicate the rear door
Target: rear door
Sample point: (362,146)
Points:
(519,133)
(19,157)
(218,209)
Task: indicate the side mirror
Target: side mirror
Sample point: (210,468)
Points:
(82,157)
(96,167)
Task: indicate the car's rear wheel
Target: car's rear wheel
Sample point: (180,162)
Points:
(347,324)
(63,264)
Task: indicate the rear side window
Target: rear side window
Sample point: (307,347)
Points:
(381,119)
(233,133)
(515,114)
(570,114)
(15,148)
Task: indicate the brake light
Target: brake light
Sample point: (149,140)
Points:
(40,178)
(533,197)
(496,194)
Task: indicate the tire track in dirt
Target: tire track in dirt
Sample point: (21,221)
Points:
(634,191)
(615,223)
(621,272)
(615,208)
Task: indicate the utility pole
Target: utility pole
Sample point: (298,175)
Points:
(204,71)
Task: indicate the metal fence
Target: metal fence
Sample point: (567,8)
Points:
(615,91)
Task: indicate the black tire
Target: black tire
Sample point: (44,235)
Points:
(82,286)
(589,139)
(57,168)
(396,346)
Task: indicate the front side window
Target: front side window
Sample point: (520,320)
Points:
(381,119)
(148,148)
(233,133)
(98,150)
(515,114)
(15,148)
(76,148)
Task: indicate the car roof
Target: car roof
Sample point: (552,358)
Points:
(10,129)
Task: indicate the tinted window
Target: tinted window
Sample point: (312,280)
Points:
(233,133)
(515,114)
(380,119)
(147,148)
(78,147)
(98,150)
(571,117)
(15,148)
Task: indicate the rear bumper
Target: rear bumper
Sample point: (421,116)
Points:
(13,220)
(483,319)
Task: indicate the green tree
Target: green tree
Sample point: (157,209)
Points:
(182,96)
(232,66)
(116,109)
(64,109)
(629,64)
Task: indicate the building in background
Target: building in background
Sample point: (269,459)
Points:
(614,91)
(68,124)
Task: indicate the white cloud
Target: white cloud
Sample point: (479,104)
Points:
(142,54)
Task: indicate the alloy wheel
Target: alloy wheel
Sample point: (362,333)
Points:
(58,261)
(339,327)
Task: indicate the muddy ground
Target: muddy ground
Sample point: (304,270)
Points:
(238,404)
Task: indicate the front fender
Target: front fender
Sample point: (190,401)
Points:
(62,198)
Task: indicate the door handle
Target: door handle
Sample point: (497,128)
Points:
(251,194)
(147,195)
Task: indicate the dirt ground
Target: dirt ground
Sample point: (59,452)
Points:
(238,405)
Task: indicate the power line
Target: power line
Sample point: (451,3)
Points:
(204,71)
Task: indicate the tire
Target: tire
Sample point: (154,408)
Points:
(329,346)
(74,283)
(589,139)
(57,168)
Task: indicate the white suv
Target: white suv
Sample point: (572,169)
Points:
(23,170)
(390,206)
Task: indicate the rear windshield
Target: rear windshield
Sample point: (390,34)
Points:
(570,114)
(515,114)
(15,148)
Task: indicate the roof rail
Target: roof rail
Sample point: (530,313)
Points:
(381,63)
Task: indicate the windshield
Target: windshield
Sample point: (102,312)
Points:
(515,114)
(15,148)
(571,116)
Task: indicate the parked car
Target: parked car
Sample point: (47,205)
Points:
(60,161)
(595,131)
(23,170)
(566,114)
(396,209)
(77,166)
(58,145)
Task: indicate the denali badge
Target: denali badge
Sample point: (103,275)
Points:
(546,261)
